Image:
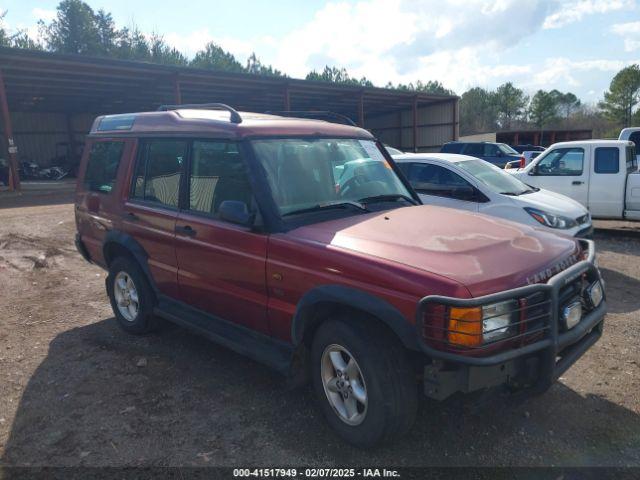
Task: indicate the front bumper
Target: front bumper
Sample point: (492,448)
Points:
(586,232)
(534,365)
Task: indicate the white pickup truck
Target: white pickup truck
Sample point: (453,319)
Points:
(600,174)
(632,134)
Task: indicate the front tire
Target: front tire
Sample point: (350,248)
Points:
(363,381)
(131,297)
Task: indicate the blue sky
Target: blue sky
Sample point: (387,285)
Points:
(571,45)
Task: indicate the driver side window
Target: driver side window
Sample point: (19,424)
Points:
(562,162)
(439,181)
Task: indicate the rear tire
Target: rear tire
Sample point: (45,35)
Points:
(131,297)
(363,381)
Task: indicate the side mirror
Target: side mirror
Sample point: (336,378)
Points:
(534,170)
(464,193)
(234,211)
(499,153)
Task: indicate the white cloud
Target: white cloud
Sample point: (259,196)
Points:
(576,10)
(564,71)
(43,14)
(630,32)
(402,40)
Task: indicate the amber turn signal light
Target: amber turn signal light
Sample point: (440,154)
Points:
(465,326)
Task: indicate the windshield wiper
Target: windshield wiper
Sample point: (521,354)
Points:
(328,206)
(388,198)
(517,194)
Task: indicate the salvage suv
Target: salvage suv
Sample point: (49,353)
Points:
(300,244)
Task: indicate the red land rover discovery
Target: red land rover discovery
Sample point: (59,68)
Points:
(299,243)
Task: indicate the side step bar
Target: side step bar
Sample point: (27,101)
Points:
(271,352)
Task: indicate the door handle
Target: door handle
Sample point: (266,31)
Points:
(186,230)
(132,216)
(576,182)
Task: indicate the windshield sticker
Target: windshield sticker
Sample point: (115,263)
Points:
(373,152)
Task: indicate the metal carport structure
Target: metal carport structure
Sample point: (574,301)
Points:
(46,95)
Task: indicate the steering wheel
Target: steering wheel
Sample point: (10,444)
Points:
(354,182)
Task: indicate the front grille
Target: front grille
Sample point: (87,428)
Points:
(531,321)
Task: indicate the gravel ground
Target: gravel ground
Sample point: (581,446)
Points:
(76,390)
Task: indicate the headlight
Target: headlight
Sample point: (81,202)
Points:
(472,327)
(550,220)
(595,294)
(497,319)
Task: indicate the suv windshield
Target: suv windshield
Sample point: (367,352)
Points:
(496,179)
(506,149)
(309,174)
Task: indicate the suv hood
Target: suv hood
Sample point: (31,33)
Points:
(483,253)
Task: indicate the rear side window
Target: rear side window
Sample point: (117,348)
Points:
(632,160)
(490,150)
(218,173)
(436,180)
(452,147)
(102,168)
(606,160)
(475,149)
(159,171)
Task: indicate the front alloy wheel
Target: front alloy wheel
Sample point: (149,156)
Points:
(344,384)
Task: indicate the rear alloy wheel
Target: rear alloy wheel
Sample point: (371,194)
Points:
(363,380)
(124,289)
(131,296)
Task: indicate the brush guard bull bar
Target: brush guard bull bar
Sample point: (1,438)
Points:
(555,347)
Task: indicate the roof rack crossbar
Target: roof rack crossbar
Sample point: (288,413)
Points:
(317,114)
(234,116)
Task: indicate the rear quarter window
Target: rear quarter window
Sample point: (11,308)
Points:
(452,148)
(102,166)
(607,160)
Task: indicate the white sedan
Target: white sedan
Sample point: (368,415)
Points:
(468,183)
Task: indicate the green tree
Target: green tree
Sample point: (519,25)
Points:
(215,58)
(74,29)
(432,86)
(256,67)
(511,103)
(567,103)
(543,109)
(19,39)
(162,53)
(623,96)
(131,44)
(478,113)
(5,40)
(107,33)
(337,75)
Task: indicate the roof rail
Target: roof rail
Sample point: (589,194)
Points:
(318,115)
(234,115)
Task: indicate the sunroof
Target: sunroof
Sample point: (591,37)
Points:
(116,122)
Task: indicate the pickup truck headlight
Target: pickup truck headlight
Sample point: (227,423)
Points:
(473,327)
(551,220)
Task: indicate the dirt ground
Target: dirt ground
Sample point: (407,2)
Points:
(76,390)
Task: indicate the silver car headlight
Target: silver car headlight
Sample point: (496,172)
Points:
(551,220)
